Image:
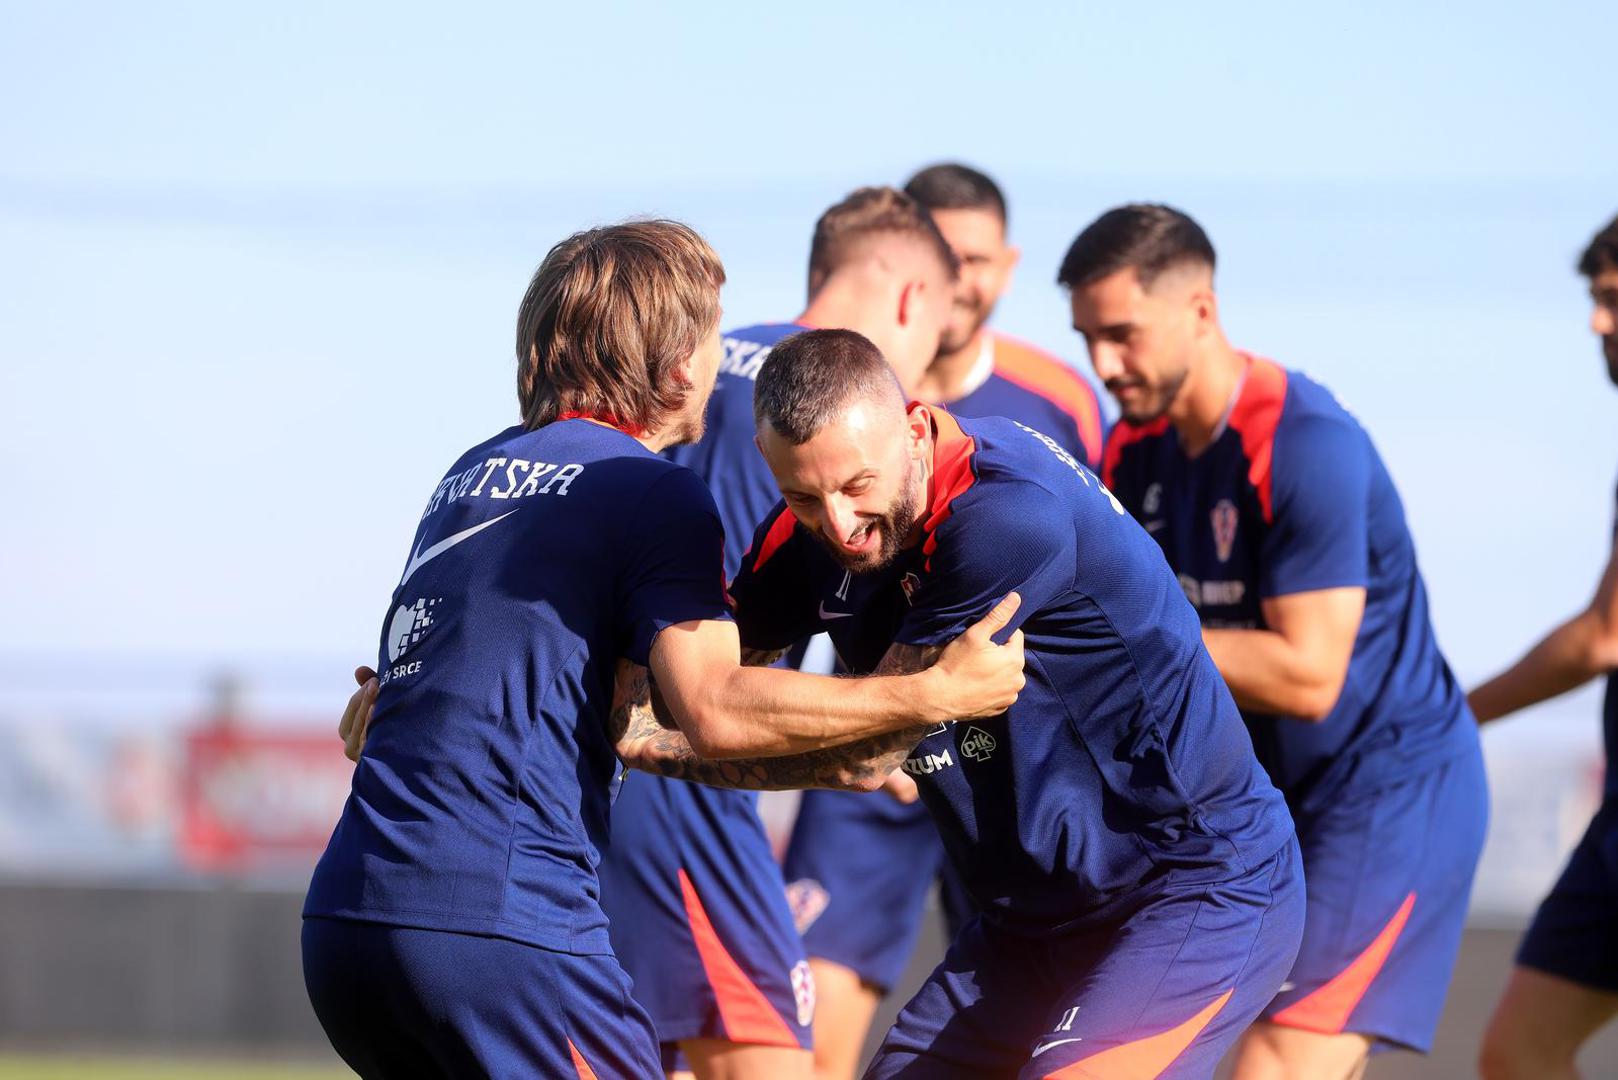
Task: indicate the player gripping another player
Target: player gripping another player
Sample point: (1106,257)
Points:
(1136,872)
(860,868)
(452,927)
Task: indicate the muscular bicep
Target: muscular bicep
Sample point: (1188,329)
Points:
(1321,626)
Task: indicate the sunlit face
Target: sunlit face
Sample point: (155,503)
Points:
(978,238)
(1141,341)
(703,373)
(1604,316)
(857,485)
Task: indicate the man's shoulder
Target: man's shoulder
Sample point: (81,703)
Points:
(1038,371)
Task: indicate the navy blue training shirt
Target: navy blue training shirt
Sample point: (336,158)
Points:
(480,803)
(1292,497)
(1123,768)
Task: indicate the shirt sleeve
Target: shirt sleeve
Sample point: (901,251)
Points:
(1319,537)
(774,604)
(1020,540)
(674,563)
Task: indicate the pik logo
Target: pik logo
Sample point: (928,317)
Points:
(1224,528)
(978,745)
(410,624)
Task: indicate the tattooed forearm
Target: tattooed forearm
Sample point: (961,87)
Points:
(647,739)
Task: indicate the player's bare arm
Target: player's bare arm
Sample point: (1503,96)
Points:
(726,710)
(647,739)
(1568,657)
(1297,665)
(980,677)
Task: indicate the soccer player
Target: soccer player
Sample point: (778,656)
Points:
(860,868)
(1286,532)
(698,906)
(1136,871)
(452,927)
(1565,986)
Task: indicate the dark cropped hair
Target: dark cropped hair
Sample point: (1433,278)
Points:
(953,186)
(810,377)
(608,318)
(1602,254)
(867,213)
(1146,237)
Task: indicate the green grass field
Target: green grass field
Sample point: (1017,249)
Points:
(95,1067)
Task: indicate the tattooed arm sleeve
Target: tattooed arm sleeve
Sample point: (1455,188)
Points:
(647,740)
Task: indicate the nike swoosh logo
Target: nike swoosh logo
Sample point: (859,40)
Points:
(445,544)
(1153,526)
(824,614)
(1052,1045)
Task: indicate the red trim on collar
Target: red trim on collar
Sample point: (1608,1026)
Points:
(1254,417)
(634,431)
(1125,435)
(779,532)
(952,474)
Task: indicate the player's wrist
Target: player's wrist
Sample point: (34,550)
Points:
(933,697)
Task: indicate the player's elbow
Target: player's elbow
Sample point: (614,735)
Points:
(1601,651)
(866,780)
(1315,701)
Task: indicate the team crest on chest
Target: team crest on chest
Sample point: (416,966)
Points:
(1224,528)
(910,583)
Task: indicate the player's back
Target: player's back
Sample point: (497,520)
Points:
(480,803)
(726,457)
(1293,497)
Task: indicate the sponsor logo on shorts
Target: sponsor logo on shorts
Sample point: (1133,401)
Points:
(803,992)
(807,899)
(978,745)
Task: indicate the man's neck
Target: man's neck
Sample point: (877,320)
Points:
(950,376)
(1203,405)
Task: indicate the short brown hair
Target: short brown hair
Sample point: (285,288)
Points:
(869,212)
(608,317)
(810,377)
(1602,254)
(1147,237)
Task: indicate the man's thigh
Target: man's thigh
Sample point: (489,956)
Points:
(858,871)
(399,1002)
(1162,994)
(1389,877)
(700,918)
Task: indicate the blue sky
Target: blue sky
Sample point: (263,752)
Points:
(258,268)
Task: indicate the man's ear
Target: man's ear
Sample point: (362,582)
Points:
(1205,310)
(1013,258)
(918,430)
(908,298)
